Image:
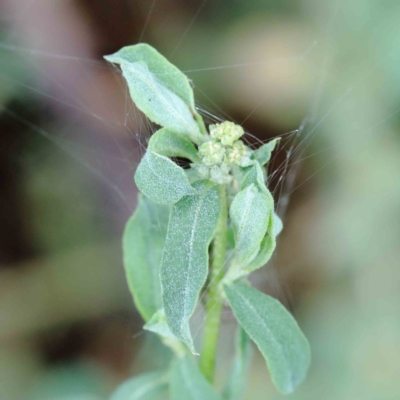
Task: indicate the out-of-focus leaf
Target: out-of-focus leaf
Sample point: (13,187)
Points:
(143,243)
(161,180)
(188,383)
(168,143)
(263,154)
(237,378)
(249,212)
(184,263)
(275,332)
(150,386)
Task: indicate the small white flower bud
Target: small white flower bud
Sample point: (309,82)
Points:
(212,153)
(227,132)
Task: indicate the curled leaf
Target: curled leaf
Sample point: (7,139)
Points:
(168,143)
(249,212)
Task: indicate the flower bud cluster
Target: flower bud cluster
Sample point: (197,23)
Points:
(222,152)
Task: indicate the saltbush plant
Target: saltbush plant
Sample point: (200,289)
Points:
(197,233)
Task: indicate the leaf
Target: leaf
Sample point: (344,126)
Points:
(249,212)
(143,243)
(165,72)
(235,387)
(184,264)
(254,175)
(171,144)
(161,180)
(263,154)
(267,248)
(275,332)
(158,324)
(158,103)
(188,383)
(150,386)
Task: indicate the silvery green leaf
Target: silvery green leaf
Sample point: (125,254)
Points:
(158,324)
(168,143)
(161,180)
(188,383)
(263,154)
(267,248)
(237,378)
(150,386)
(275,332)
(143,243)
(184,264)
(250,211)
(158,103)
(165,72)
(254,175)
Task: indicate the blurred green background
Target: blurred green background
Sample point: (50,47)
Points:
(71,140)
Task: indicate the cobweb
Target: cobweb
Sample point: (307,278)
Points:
(113,165)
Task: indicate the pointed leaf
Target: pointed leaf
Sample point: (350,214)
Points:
(237,377)
(159,66)
(249,212)
(188,383)
(184,264)
(143,243)
(263,154)
(171,144)
(151,386)
(163,71)
(275,333)
(158,103)
(255,175)
(161,180)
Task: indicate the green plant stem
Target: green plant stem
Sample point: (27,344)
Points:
(214,302)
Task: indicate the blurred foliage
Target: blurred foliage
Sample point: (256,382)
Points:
(337,263)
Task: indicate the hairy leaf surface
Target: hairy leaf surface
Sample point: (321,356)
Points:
(275,332)
(143,243)
(249,212)
(160,105)
(184,263)
(266,250)
(150,386)
(158,324)
(188,383)
(165,72)
(161,180)
(168,143)
(263,154)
